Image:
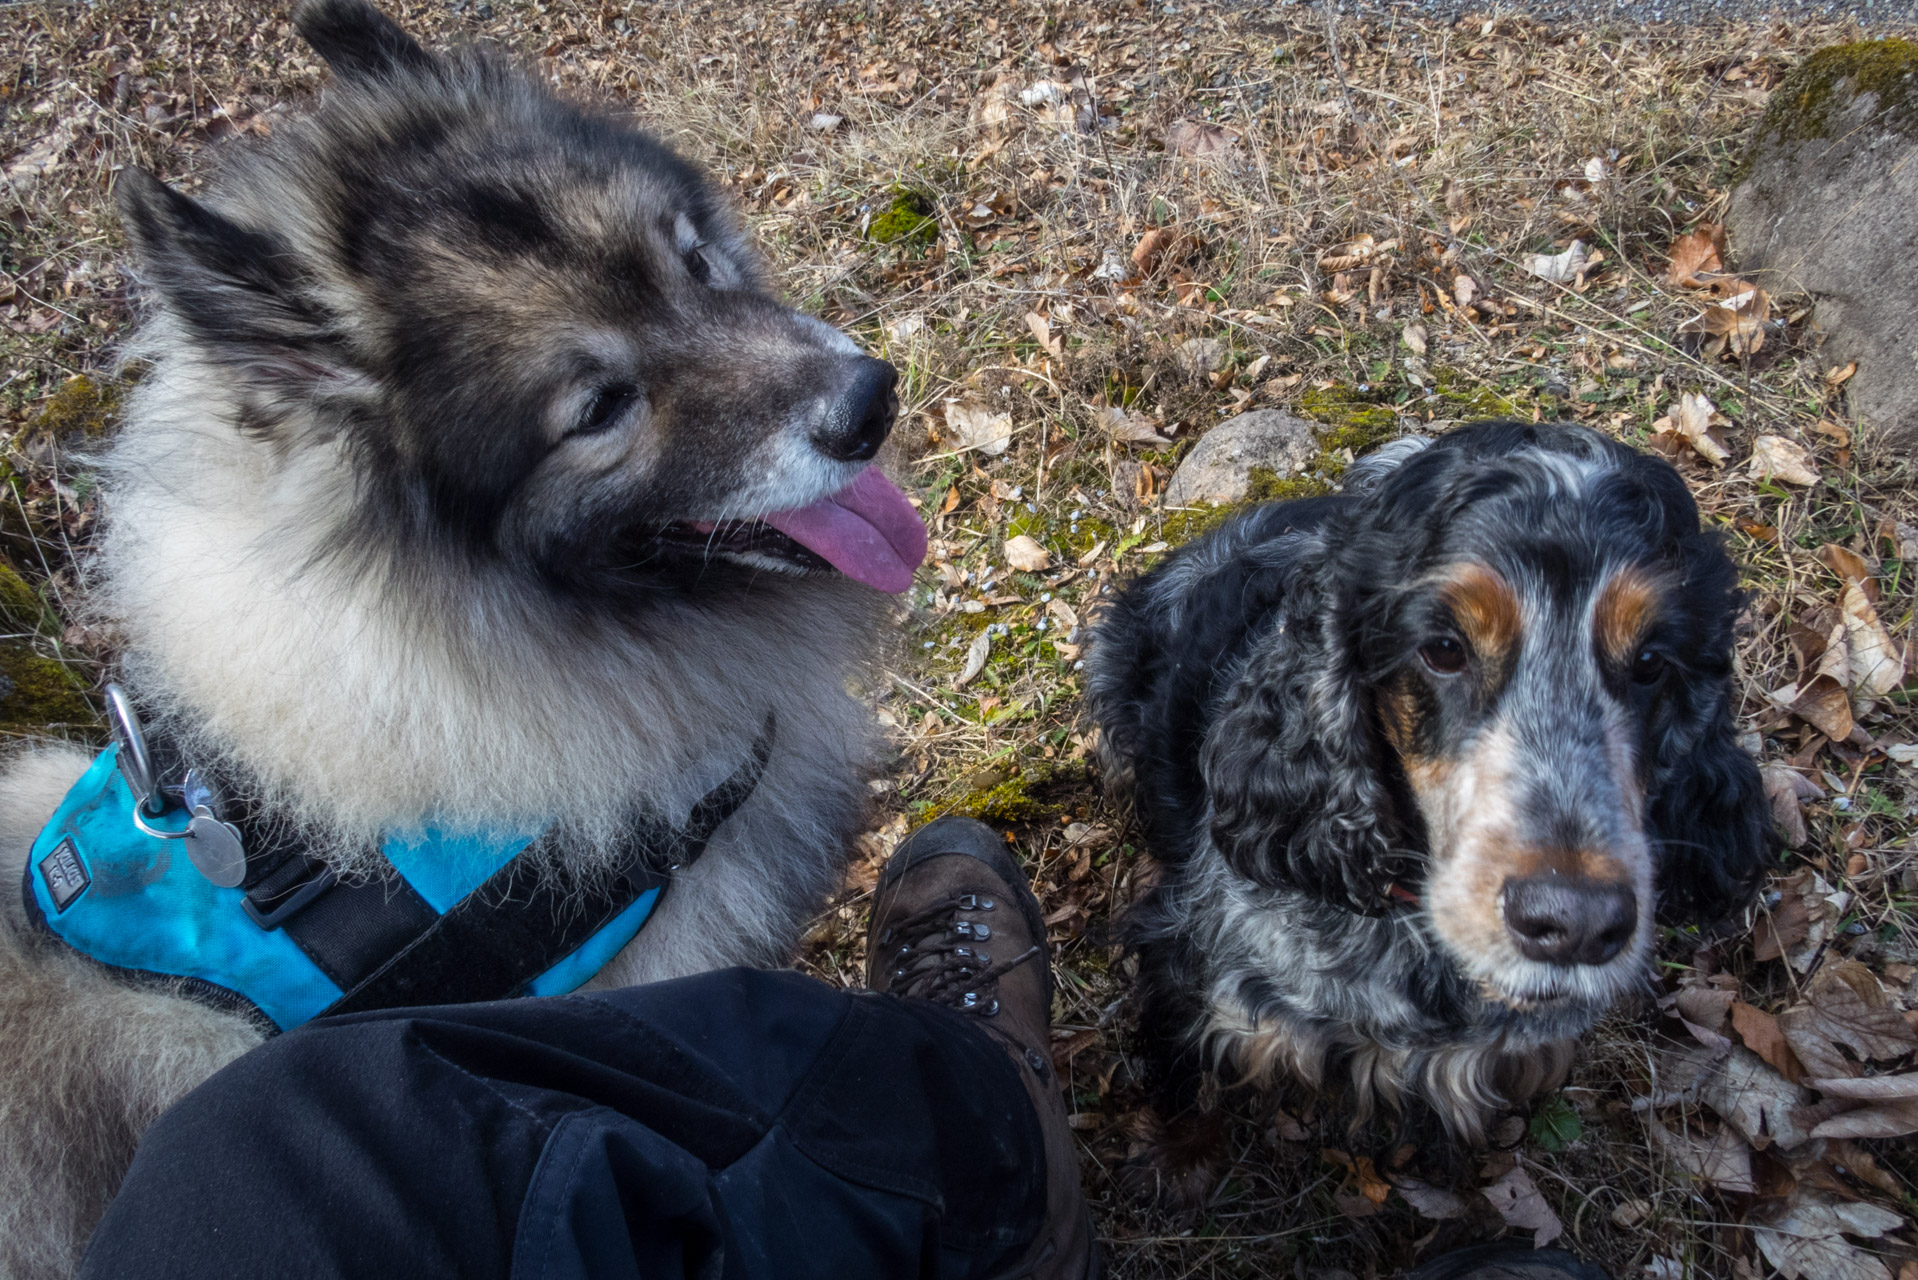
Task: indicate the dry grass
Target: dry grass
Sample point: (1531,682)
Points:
(1466,144)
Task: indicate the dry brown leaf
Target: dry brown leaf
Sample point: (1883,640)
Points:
(1886,1120)
(1706,1001)
(1776,458)
(1759,1030)
(1414,336)
(1758,1105)
(1756,1101)
(1721,1160)
(1201,355)
(1464,288)
(1026,555)
(1876,664)
(1846,563)
(1788,790)
(1839,374)
(1784,927)
(1197,138)
(1695,253)
(1519,1203)
(1042,330)
(1432,1202)
(1167,245)
(1558,268)
(992,109)
(1356,252)
(1807,1241)
(1847,1007)
(1737,323)
(1896,1088)
(1823,702)
(976,655)
(970,425)
(1837,432)
(1693,420)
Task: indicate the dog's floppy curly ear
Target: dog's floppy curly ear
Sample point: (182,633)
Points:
(359,42)
(1707,812)
(1711,825)
(1292,768)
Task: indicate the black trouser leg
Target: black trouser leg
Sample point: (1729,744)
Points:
(736,1124)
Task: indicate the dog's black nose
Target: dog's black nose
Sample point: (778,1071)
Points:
(1562,920)
(859,423)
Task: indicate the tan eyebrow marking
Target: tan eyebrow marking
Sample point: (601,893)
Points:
(1485,608)
(1626,606)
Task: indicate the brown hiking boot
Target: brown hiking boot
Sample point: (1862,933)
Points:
(953,921)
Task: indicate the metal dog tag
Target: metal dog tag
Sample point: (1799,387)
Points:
(216,849)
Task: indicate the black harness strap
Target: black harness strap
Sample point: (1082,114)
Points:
(347,928)
(531,913)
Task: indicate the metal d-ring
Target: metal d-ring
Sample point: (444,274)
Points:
(159,833)
(136,762)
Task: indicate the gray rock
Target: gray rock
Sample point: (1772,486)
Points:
(1219,468)
(1829,207)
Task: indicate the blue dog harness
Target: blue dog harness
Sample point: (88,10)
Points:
(150,880)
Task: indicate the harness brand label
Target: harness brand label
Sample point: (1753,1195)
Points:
(65,875)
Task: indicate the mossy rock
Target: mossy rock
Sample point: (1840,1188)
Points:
(82,406)
(39,695)
(1803,105)
(908,220)
(1829,180)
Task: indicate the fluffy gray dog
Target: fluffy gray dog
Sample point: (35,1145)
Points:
(475,483)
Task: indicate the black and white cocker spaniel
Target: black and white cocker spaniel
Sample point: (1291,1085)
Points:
(1422,763)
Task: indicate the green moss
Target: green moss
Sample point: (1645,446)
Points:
(1269,486)
(20,607)
(1358,418)
(1462,399)
(80,406)
(1802,106)
(1183,524)
(37,693)
(908,220)
(1036,790)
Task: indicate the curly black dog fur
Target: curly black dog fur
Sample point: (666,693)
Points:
(1422,763)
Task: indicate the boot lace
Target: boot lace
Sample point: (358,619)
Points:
(937,956)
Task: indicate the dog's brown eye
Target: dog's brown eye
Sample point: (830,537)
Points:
(604,408)
(1648,666)
(1443,655)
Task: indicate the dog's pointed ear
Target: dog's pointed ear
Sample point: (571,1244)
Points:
(238,290)
(1293,770)
(359,42)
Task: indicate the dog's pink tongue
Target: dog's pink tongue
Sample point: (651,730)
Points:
(867,531)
